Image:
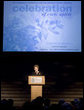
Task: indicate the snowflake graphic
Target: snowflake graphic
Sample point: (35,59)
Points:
(29,38)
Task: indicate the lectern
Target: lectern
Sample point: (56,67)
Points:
(36,83)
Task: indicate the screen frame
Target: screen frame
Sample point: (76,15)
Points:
(37,52)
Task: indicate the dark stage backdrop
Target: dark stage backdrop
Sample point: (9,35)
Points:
(18,65)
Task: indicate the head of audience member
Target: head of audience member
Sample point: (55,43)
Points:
(61,101)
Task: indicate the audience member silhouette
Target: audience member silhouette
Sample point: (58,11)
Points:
(41,103)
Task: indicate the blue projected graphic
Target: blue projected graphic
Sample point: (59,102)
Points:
(43,26)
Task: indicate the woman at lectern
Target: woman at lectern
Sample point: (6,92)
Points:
(36,71)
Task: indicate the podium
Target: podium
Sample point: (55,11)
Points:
(36,83)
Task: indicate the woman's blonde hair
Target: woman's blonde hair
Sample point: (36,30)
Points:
(36,66)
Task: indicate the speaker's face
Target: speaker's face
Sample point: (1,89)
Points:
(36,68)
